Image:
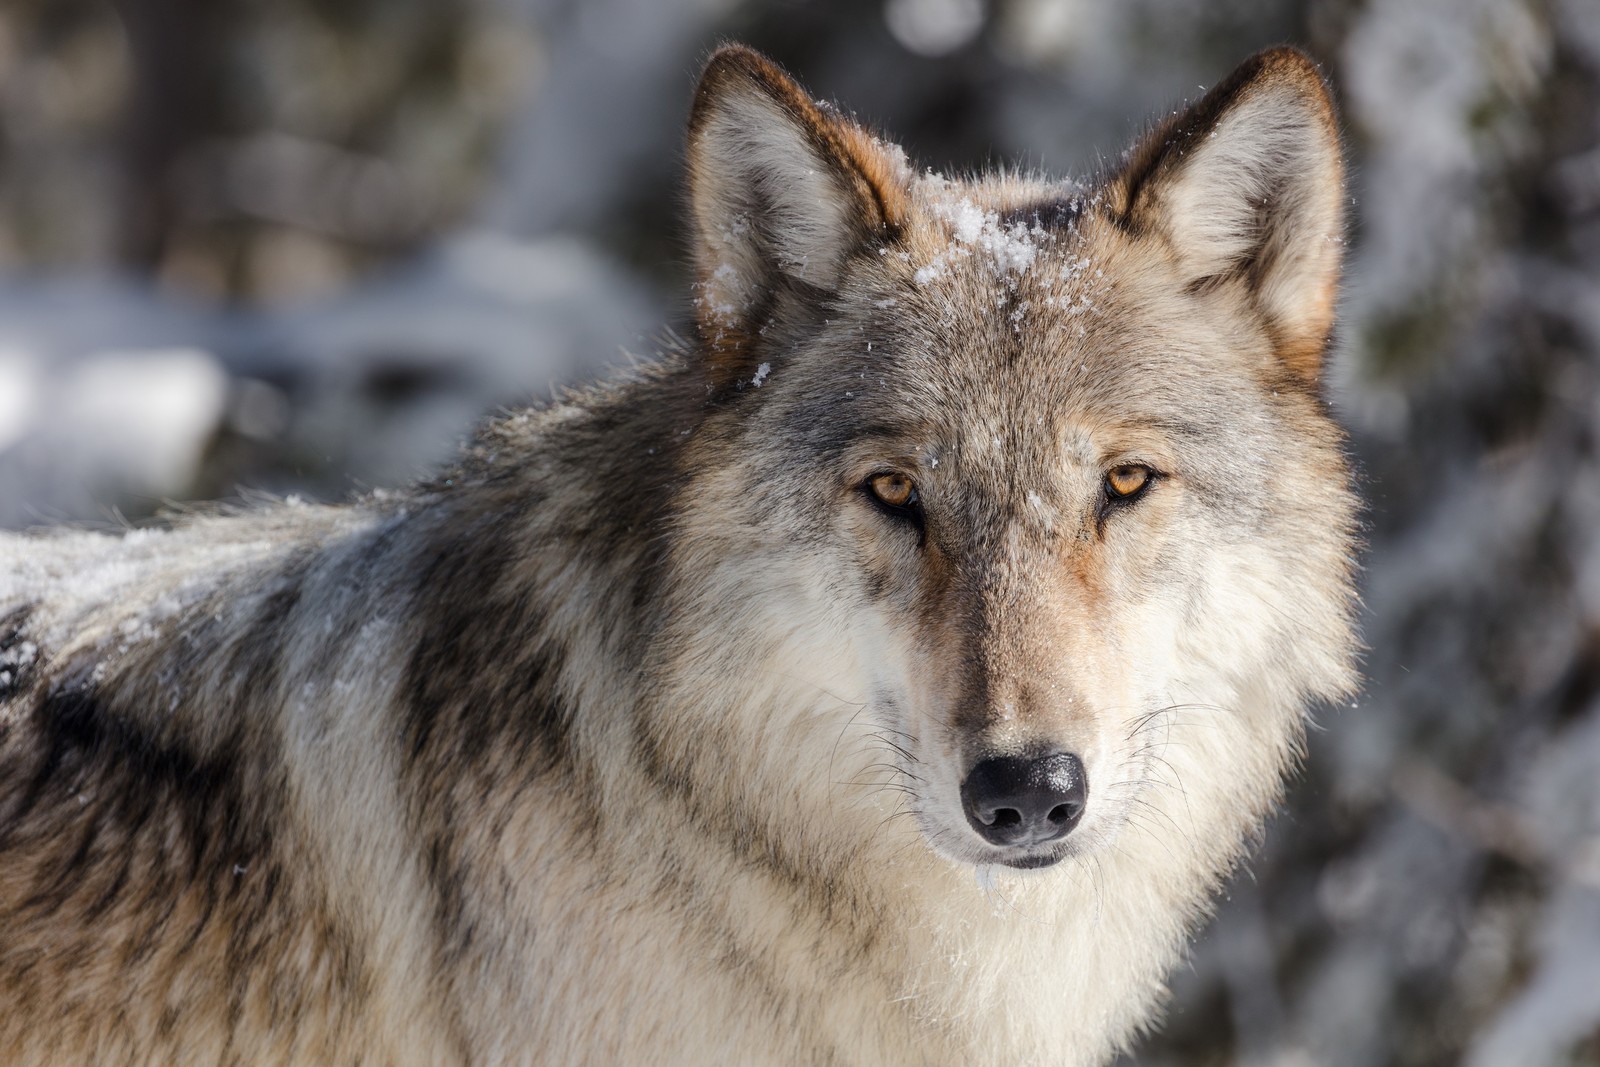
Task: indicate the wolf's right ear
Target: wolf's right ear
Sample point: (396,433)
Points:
(782,192)
(1247,186)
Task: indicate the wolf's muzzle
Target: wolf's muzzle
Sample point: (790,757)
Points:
(1025,800)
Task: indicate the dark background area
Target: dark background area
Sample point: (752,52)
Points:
(298,246)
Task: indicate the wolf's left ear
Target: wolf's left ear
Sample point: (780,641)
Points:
(1248,185)
(782,192)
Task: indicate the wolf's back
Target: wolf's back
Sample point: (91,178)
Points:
(160,874)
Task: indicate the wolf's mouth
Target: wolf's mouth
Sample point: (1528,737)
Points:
(1034,862)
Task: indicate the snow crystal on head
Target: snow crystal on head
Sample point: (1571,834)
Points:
(1012,246)
(1009,247)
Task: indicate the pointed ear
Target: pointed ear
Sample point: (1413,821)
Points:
(781,192)
(1249,184)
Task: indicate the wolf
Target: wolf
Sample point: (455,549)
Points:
(889,674)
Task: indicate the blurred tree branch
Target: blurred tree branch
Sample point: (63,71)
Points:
(179,54)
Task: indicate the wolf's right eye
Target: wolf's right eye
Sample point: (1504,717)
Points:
(896,496)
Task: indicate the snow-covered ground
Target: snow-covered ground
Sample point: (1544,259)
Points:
(114,395)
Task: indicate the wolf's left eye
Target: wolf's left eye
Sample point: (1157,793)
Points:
(1127,481)
(893,489)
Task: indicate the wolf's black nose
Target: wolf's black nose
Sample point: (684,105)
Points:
(1018,800)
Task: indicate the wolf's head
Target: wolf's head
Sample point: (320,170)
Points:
(1030,479)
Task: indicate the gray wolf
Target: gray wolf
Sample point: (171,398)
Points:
(890,675)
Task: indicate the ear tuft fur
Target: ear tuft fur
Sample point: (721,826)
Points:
(782,193)
(1248,184)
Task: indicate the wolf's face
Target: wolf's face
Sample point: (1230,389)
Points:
(1047,461)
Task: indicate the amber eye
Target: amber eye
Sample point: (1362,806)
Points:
(1127,480)
(896,490)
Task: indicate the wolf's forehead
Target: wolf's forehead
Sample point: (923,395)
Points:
(1005,326)
(997,316)
(1043,397)
(997,231)
(1007,426)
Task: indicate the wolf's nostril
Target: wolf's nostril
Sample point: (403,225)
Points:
(1018,800)
(1065,813)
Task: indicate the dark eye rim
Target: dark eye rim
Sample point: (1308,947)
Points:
(1110,499)
(910,512)
(1150,476)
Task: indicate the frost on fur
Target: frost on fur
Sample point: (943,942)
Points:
(1010,247)
(1247,186)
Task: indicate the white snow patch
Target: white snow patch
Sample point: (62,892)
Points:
(761,374)
(16,659)
(19,400)
(136,420)
(1011,249)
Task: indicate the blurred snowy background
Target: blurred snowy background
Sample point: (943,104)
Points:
(297,245)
